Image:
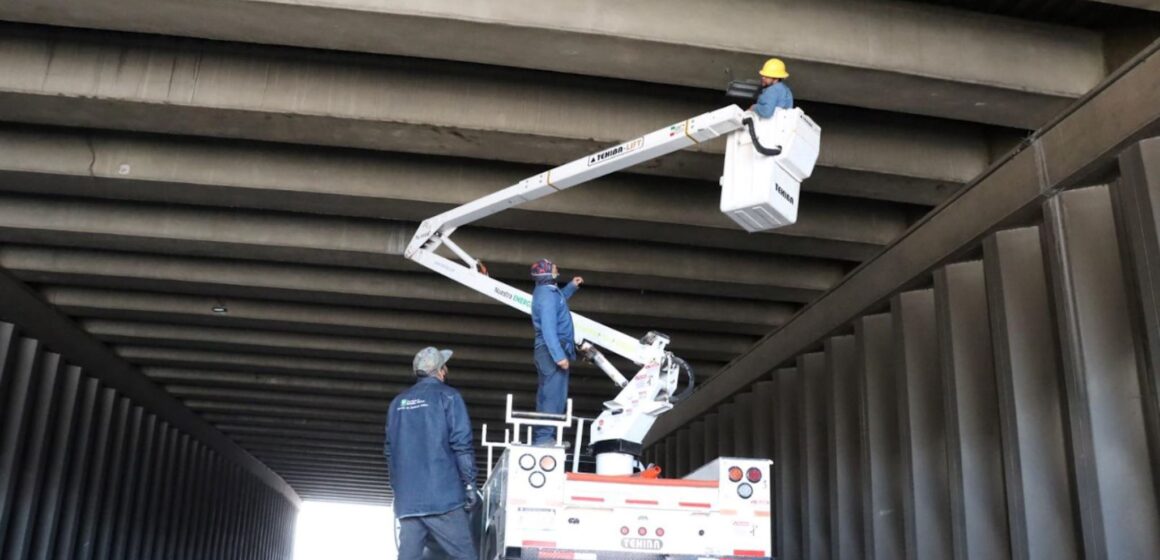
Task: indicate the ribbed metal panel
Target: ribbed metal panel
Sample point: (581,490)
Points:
(87,474)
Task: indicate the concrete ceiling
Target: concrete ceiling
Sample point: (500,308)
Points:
(162,159)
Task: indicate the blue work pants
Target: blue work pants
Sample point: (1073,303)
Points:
(552,395)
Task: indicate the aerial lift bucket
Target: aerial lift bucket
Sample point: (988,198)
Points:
(765,164)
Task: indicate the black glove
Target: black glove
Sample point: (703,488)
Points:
(473,496)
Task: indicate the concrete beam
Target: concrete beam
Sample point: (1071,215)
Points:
(246,420)
(316,180)
(379,245)
(314,401)
(318,346)
(104,81)
(437,328)
(1079,146)
(885,55)
(344,472)
(1152,5)
(282,343)
(178,358)
(284,383)
(372,289)
(283,449)
(206,407)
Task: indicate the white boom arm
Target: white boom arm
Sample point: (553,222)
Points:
(760,190)
(437,230)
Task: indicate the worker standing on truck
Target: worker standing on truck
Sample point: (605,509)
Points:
(774,93)
(431,460)
(555,346)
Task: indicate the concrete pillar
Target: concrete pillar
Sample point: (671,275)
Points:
(1116,487)
(177,521)
(20,371)
(1136,204)
(711,448)
(763,424)
(199,528)
(696,445)
(165,436)
(92,424)
(34,462)
(726,418)
(974,450)
(815,479)
(681,468)
(670,458)
(1040,498)
(102,526)
(877,387)
(127,485)
(59,456)
(845,455)
(744,428)
(788,461)
(922,427)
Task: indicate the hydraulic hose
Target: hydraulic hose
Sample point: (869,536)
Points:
(688,377)
(748,122)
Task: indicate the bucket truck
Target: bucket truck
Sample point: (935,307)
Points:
(534,507)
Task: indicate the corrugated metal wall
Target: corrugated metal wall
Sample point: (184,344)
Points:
(85,473)
(1007,410)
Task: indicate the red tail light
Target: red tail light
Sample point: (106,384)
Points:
(753,474)
(660,532)
(642,531)
(624,530)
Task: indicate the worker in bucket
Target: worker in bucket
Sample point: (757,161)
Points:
(431,460)
(774,93)
(555,346)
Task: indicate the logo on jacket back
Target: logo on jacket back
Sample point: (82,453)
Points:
(411,404)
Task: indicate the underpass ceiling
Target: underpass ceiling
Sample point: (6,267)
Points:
(229,217)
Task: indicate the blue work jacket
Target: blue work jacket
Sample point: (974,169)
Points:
(777,96)
(429,449)
(553,321)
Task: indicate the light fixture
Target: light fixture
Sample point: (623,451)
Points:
(745,491)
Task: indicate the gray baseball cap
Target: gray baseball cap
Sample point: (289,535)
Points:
(429,360)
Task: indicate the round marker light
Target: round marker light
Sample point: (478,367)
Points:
(753,474)
(537,479)
(642,531)
(624,530)
(548,463)
(660,532)
(734,474)
(745,491)
(527,462)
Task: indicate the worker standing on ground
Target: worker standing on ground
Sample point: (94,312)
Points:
(431,460)
(555,346)
(774,93)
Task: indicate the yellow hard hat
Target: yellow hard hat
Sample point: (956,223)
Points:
(774,68)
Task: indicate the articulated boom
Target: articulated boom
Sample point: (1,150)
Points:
(760,190)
